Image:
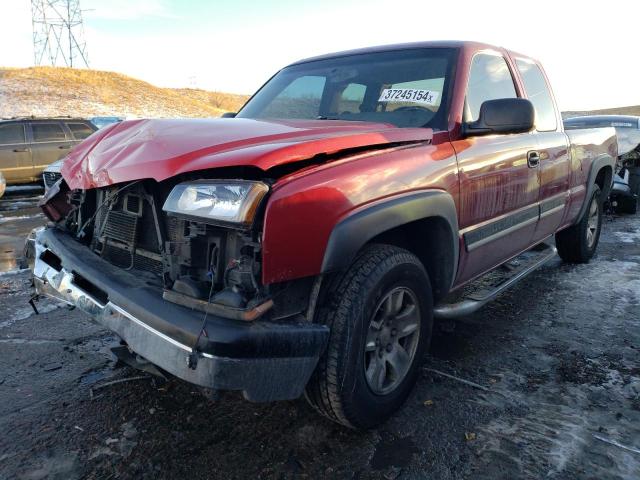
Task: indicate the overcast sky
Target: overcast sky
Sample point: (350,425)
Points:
(589,48)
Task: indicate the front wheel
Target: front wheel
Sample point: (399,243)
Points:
(380,315)
(577,244)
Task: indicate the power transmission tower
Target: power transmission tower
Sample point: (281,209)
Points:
(58,33)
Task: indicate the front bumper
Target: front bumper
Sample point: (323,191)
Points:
(265,360)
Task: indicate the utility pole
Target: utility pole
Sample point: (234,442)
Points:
(58,33)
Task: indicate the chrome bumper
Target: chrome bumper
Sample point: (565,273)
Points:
(260,379)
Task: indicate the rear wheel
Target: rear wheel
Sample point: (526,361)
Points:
(380,315)
(578,243)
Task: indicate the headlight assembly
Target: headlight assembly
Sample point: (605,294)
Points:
(217,201)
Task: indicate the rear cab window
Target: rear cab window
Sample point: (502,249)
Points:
(351,98)
(537,90)
(12,134)
(489,79)
(47,132)
(79,130)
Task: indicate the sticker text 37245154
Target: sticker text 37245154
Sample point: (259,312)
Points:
(411,95)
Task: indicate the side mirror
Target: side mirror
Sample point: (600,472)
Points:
(228,115)
(505,115)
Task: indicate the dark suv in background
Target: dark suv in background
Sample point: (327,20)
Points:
(28,145)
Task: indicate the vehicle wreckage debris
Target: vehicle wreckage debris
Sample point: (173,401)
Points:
(114,382)
(32,302)
(50,367)
(616,444)
(462,380)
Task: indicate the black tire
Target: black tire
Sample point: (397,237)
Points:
(339,388)
(573,243)
(627,205)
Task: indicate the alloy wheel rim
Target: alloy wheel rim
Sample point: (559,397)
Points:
(392,340)
(592,223)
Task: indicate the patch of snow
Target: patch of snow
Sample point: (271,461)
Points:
(20,217)
(23,313)
(22,188)
(17,205)
(628,237)
(13,272)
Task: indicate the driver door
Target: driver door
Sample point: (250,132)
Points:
(499,184)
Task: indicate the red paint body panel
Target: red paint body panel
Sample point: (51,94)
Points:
(494,181)
(304,209)
(554,178)
(585,146)
(161,149)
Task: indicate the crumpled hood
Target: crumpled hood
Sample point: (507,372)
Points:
(161,149)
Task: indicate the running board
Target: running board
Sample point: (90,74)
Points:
(476,300)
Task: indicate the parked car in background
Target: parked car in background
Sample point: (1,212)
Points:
(28,145)
(101,122)
(306,245)
(3,184)
(625,193)
(51,174)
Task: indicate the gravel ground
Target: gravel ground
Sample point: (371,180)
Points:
(557,358)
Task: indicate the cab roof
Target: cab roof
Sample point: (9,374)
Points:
(457,44)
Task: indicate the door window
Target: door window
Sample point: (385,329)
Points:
(47,132)
(539,94)
(489,79)
(80,130)
(11,134)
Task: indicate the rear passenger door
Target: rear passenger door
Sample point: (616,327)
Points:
(15,154)
(553,149)
(498,188)
(49,143)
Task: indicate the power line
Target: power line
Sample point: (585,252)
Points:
(58,33)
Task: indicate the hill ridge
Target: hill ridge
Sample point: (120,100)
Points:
(48,91)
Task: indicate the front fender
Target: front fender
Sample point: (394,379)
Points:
(301,237)
(369,221)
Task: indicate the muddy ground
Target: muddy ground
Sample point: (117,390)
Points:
(557,357)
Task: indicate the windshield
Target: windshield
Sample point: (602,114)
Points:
(407,88)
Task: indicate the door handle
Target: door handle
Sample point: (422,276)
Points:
(533,159)
(20,150)
(64,147)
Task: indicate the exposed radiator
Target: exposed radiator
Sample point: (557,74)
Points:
(127,236)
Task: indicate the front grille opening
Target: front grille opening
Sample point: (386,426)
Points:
(128,234)
(97,293)
(121,226)
(51,259)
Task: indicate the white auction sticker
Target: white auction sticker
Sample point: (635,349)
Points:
(412,95)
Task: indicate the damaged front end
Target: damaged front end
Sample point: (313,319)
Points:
(174,269)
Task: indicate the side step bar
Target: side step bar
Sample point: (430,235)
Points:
(477,300)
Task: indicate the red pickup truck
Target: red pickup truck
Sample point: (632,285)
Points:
(306,243)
